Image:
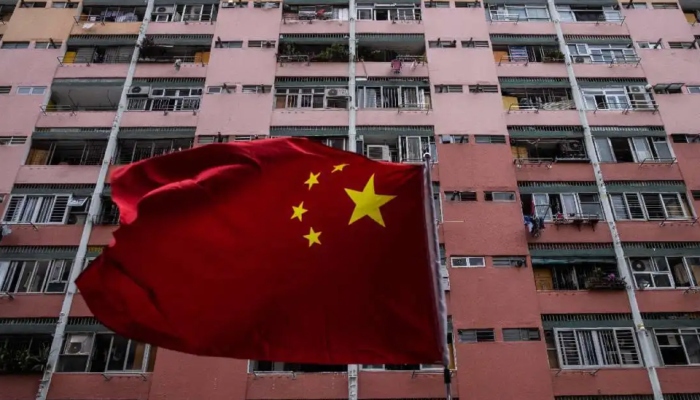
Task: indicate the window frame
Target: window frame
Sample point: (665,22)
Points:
(468,260)
(35,219)
(31,90)
(651,147)
(669,273)
(598,347)
(679,333)
(90,338)
(57,271)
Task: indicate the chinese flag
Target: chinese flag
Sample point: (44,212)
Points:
(276,250)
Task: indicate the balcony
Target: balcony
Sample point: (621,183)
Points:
(108,20)
(619,103)
(588,58)
(577,273)
(389,55)
(153,102)
(623,158)
(592,20)
(169,55)
(530,104)
(546,152)
(81,103)
(525,59)
(324,18)
(291,384)
(24,354)
(184,18)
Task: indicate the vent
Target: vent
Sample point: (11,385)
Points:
(12,140)
(476,335)
(492,139)
(483,88)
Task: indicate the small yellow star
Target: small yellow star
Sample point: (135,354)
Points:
(298,211)
(313,237)
(313,180)
(340,167)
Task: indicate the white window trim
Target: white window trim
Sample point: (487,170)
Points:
(689,213)
(91,340)
(630,142)
(655,271)
(420,94)
(54,269)
(693,89)
(549,214)
(681,332)
(33,90)
(35,214)
(597,348)
(469,262)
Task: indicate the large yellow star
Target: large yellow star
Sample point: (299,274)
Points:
(312,237)
(339,167)
(367,203)
(313,179)
(298,211)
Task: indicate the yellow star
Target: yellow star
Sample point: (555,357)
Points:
(313,180)
(340,167)
(367,203)
(298,211)
(313,237)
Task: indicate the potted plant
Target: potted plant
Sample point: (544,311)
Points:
(601,280)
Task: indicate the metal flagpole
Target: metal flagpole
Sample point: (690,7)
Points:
(433,245)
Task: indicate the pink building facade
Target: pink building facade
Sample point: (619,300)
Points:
(567,176)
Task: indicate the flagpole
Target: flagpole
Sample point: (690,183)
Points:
(434,245)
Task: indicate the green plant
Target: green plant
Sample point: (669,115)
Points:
(334,53)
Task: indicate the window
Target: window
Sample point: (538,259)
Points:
(37,209)
(567,205)
(31,90)
(104,353)
(133,150)
(635,149)
(483,89)
(475,43)
(637,6)
(467,4)
(384,12)
(459,139)
(467,262)
(460,196)
(493,139)
(448,88)
(662,206)
(186,12)
(47,45)
(665,6)
(58,4)
(232,44)
(587,348)
(33,4)
(521,334)
(221,89)
(15,45)
(167,99)
(589,14)
(272,366)
(685,138)
(678,346)
(444,44)
(602,53)
(402,97)
(650,45)
(436,4)
(665,272)
(402,367)
(312,98)
(681,45)
(256,89)
(437,201)
(499,196)
(693,89)
(476,335)
(12,140)
(266,5)
(265,44)
(5,89)
(520,13)
(508,261)
(44,276)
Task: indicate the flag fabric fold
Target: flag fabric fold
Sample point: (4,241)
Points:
(277,250)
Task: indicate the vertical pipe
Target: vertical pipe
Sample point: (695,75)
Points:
(643,336)
(95,205)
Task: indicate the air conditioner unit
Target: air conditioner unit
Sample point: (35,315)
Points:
(378,153)
(338,92)
(641,265)
(268,44)
(164,10)
(140,90)
(228,4)
(579,59)
(78,345)
(636,89)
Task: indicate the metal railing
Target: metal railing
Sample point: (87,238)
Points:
(626,107)
(610,61)
(504,17)
(173,60)
(94,59)
(101,19)
(73,109)
(508,59)
(163,104)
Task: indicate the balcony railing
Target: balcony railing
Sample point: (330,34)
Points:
(164,104)
(51,108)
(626,107)
(94,58)
(600,59)
(174,60)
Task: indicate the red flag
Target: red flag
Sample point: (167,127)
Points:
(277,250)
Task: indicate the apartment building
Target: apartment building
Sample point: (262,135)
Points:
(565,136)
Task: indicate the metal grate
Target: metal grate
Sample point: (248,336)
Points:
(146,81)
(569,246)
(645,183)
(54,186)
(586,317)
(476,335)
(570,38)
(521,334)
(627,128)
(661,245)
(555,184)
(613,397)
(26,321)
(12,140)
(83,321)
(37,249)
(338,79)
(549,128)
